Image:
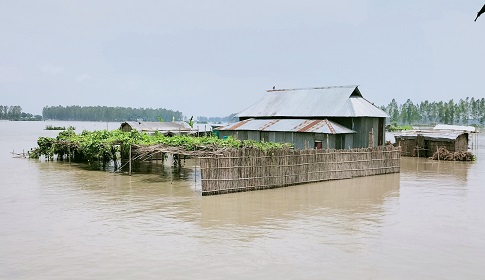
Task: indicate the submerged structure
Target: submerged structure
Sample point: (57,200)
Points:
(334,134)
(165,128)
(425,142)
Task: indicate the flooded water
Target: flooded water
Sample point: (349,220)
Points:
(64,221)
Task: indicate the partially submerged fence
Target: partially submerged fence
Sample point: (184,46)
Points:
(252,169)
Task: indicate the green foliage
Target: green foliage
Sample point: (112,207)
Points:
(100,145)
(449,112)
(50,127)
(395,127)
(227,119)
(191,121)
(14,113)
(104,113)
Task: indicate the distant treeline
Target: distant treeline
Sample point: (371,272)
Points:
(14,113)
(229,119)
(464,111)
(109,114)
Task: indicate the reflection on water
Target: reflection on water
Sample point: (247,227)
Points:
(343,197)
(423,167)
(61,220)
(157,182)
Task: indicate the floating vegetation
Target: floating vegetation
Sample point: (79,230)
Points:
(394,127)
(103,145)
(444,154)
(50,127)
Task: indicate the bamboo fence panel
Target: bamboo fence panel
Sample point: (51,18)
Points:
(252,169)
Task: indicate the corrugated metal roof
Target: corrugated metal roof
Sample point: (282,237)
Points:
(289,125)
(455,127)
(163,127)
(431,134)
(343,101)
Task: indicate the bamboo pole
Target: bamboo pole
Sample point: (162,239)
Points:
(129,162)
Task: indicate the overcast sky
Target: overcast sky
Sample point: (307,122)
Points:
(213,58)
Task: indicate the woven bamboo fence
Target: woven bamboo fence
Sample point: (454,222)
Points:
(252,169)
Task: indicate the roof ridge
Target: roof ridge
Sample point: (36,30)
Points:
(310,88)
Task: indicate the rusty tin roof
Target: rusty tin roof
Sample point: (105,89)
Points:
(289,125)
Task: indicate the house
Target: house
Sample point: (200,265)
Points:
(166,128)
(425,142)
(303,133)
(324,117)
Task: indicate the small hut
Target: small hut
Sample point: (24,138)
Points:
(166,128)
(424,143)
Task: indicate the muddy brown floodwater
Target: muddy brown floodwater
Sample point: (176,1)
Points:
(64,221)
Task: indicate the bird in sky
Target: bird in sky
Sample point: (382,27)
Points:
(480,12)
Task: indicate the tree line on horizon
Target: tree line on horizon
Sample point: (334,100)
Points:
(229,119)
(465,111)
(14,113)
(109,114)
(103,113)
(468,111)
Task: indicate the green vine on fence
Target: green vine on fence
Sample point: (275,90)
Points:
(103,145)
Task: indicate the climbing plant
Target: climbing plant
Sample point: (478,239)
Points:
(102,145)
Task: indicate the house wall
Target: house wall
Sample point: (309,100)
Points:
(427,147)
(349,141)
(430,146)
(408,146)
(300,140)
(362,127)
(461,144)
(281,137)
(303,140)
(333,141)
(251,135)
(458,145)
(433,146)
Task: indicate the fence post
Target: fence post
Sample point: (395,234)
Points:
(129,162)
(371,138)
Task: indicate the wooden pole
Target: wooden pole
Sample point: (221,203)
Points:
(371,138)
(129,162)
